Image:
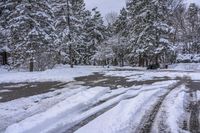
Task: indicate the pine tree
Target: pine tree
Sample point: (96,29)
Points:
(161,30)
(192,36)
(61,11)
(80,16)
(86,48)
(4,30)
(31,32)
(149,29)
(121,24)
(139,25)
(69,23)
(96,33)
(120,38)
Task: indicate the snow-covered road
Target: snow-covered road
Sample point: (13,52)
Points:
(109,101)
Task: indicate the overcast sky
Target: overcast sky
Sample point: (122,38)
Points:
(106,6)
(194,1)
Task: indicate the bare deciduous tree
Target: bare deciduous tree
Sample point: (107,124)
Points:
(111,17)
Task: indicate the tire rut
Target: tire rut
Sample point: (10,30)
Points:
(97,114)
(89,119)
(194,107)
(92,117)
(193,120)
(114,82)
(148,120)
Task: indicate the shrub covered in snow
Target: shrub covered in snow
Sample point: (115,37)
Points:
(188,58)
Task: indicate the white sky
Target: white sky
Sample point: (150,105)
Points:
(193,1)
(105,6)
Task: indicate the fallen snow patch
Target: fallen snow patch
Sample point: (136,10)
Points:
(3,91)
(171,112)
(126,116)
(15,86)
(61,73)
(185,66)
(19,109)
(45,120)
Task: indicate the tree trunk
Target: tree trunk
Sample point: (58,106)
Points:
(156,59)
(140,60)
(122,62)
(5,58)
(31,65)
(146,62)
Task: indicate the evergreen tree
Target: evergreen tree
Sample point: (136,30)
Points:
(139,25)
(31,32)
(4,27)
(80,17)
(87,49)
(121,24)
(149,29)
(69,23)
(61,11)
(120,43)
(96,32)
(192,36)
(161,30)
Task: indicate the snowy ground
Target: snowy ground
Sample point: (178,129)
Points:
(101,100)
(59,73)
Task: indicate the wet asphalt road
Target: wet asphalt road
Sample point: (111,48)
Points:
(11,91)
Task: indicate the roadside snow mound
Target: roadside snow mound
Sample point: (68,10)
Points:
(46,120)
(188,58)
(60,73)
(186,66)
(3,69)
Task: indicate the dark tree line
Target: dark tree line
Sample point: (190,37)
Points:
(153,32)
(43,33)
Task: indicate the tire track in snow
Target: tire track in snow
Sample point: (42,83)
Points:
(87,120)
(148,120)
(193,120)
(194,107)
(115,100)
(100,112)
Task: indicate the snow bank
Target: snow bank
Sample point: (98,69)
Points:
(127,114)
(68,123)
(19,109)
(188,58)
(118,119)
(42,121)
(112,98)
(132,76)
(124,73)
(3,70)
(3,91)
(186,66)
(74,106)
(15,86)
(61,73)
(171,112)
(198,95)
